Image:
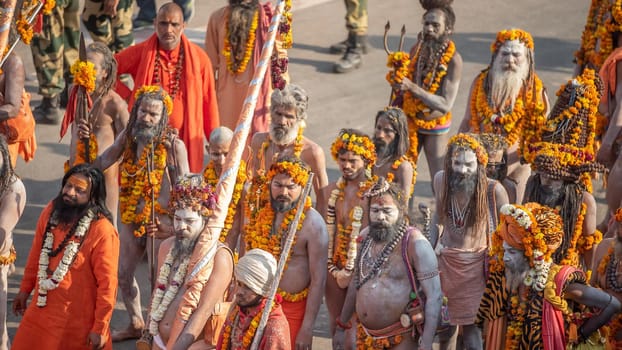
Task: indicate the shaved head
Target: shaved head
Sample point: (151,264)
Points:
(171,8)
(220,135)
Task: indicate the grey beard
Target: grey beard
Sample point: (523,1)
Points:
(283,137)
(144,134)
(383,150)
(183,247)
(382,233)
(459,183)
(514,277)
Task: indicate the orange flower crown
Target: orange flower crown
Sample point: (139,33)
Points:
(509,35)
(467,141)
(361,145)
(191,191)
(156,90)
(294,168)
(619,215)
(539,227)
(84,74)
(566,149)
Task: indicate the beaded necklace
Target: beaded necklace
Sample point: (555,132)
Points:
(366,259)
(612,279)
(158,72)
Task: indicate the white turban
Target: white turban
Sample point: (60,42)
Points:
(256,269)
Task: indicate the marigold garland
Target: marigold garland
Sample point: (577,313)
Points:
(618,214)
(237,64)
(518,310)
(249,334)
(25,30)
(8,260)
(511,35)
(414,108)
(155,89)
(209,174)
(48,6)
(396,165)
(586,243)
(136,185)
(571,257)
(485,119)
(285,27)
(398,62)
(367,342)
(359,145)
(84,75)
(463,140)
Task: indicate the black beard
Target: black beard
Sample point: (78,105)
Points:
(251,303)
(380,232)
(281,207)
(67,213)
(550,197)
(382,149)
(458,182)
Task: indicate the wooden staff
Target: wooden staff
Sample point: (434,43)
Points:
(7,9)
(82,105)
(226,183)
(152,264)
(281,265)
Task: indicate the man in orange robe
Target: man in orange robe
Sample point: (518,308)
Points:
(183,69)
(71,309)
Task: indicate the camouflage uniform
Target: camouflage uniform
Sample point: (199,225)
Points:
(55,49)
(147,12)
(115,32)
(356,16)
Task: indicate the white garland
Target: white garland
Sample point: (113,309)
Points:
(161,299)
(357,216)
(46,284)
(537,276)
(521,216)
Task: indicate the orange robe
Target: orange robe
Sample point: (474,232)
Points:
(195,110)
(231,88)
(83,301)
(25,145)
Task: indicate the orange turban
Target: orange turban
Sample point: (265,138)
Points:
(539,225)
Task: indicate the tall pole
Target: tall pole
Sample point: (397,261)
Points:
(226,183)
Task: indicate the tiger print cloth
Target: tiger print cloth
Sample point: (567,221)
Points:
(496,303)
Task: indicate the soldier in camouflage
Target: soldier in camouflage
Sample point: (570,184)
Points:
(147,12)
(54,50)
(109,22)
(356,43)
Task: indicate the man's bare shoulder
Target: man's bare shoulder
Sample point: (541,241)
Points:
(218,16)
(258,139)
(311,149)
(314,223)
(437,185)
(17,186)
(114,101)
(588,199)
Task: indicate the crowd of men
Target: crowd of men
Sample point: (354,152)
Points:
(511,255)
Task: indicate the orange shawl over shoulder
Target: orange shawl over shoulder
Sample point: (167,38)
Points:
(609,75)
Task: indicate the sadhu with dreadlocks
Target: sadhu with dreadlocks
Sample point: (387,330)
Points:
(152,158)
(467,203)
(107,117)
(564,161)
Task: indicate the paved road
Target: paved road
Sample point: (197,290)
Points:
(340,100)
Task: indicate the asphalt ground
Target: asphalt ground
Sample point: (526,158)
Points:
(337,101)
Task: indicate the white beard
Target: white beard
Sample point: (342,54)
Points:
(286,139)
(506,85)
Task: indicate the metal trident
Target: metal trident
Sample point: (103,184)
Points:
(387,27)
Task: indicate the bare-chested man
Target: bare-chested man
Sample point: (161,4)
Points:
(346,215)
(392,145)
(289,114)
(564,164)
(497,168)
(303,281)
(152,159)
(467,203)
(107,118)
(12,203)
(428,93)
(606,274)
(185,320)
(508,98)
(218,148)
(611,107)
(396,286)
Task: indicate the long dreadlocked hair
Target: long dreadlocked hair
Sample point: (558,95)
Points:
(109,65)
(147,96)
(570,208)
(478,215)
(398,121)
(7,175)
